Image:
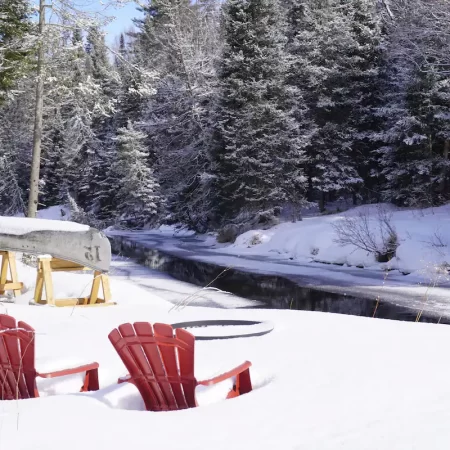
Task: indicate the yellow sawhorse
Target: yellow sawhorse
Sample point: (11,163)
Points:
(13,284)
(47,265)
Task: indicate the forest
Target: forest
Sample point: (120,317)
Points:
(215,113)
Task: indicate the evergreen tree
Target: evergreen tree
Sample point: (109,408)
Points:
(335,45)
(53,171)
(260,153)
(366,81)
(15,27)
(11,201)
(136,190)
(287,101)
(16,128)
(416,161)
(177,117)
(70,99)
(415,141)
(98,152)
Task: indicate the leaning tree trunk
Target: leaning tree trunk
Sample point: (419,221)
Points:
(33,197)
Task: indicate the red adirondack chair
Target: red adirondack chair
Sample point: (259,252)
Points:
(17,370)
(161,366)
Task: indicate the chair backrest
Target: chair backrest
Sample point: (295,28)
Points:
(17,369)
(160,364)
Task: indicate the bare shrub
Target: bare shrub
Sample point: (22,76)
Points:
(228,233)
(255,240)
(438,242)
(247,221)
(380,240)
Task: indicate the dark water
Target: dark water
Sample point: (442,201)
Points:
(274,291)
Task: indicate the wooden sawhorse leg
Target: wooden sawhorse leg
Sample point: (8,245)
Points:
(44,280)
(103,280)
(9,262)
(48,265)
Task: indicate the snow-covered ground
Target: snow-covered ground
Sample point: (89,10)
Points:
(321,381)
(423,235)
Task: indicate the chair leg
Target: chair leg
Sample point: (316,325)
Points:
(91,381)
(242,386)
(244,382)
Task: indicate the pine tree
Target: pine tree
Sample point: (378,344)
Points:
(11,201)
(54,171)
(70,98)
(365,80)
(416,160)
(177,117)
(98,152)
(260,153)
(15,27)
(414,143)
(335,46)
(136,189)
(16,128)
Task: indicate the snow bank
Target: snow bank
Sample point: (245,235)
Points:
(424,240)
(58,212)
(321,381)
(175,230)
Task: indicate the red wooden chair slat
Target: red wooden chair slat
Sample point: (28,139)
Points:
(154,357)
(14,367)
(19,347)
(27,350)
(6,376)
(7,382)
(161,365)
(17,364)
(186,362)
(136,376)
(169,356)
(140,370)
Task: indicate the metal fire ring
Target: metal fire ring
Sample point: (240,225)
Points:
(266,327)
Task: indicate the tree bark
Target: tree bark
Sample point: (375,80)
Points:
(443,184)
(33,197)
(322,201)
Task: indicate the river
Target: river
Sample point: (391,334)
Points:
(273,291)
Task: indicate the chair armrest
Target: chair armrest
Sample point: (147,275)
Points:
(225,376)
(62,373)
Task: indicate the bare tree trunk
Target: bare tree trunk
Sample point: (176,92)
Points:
(443,184)
(322,201)
(33,198)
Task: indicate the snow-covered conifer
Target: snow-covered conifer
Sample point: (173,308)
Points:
(137,199)
(259,152)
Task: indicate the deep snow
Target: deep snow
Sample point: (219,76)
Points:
(424,240)
(322,381)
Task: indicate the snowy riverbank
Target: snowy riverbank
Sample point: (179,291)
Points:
(423,240)
(286,250)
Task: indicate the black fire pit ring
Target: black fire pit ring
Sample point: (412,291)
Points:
(264,327)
